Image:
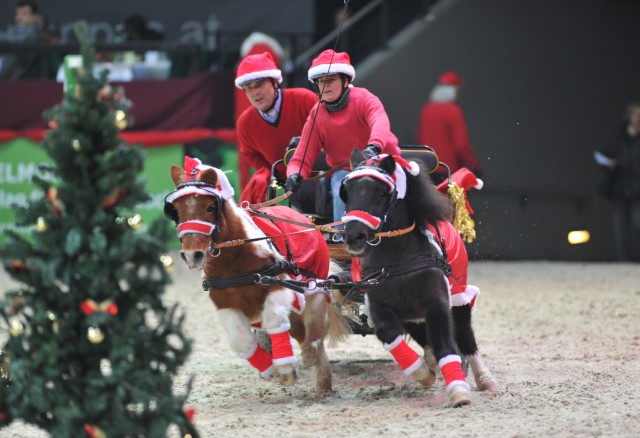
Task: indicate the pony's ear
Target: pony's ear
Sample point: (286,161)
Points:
(178,175)
(209,175)
(357,157)
(388,164)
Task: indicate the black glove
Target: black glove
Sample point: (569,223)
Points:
(292,184)
(372,150)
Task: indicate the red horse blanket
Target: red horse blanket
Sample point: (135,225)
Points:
(309,250)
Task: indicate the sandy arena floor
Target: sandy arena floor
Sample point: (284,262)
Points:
(562,339)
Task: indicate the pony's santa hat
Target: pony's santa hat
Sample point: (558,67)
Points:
(330,62)
(465,179)
(397,180)
(255,67)
(193,167)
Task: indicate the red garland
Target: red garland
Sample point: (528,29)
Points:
(89,307)
(89,430)
(189,413)
(114,199)
(17,266)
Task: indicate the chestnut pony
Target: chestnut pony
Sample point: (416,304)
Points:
(392,217)
(233,250)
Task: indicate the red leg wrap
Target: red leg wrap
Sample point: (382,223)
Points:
(452,370)
(404,355)
(282,348)
(260,360)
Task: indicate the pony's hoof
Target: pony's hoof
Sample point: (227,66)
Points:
(431,360)
(424,376)
(459,397)
(287,378)
(486,382)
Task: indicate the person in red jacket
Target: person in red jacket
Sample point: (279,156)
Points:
(265,128)
(442,126)
(254,44)
(346,117)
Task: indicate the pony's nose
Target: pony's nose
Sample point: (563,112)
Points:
(356,240)
(193,259)
(198,258)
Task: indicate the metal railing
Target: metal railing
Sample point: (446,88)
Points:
(367,30)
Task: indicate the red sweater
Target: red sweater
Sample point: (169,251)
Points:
(263,143)
(364,121)
(443,127)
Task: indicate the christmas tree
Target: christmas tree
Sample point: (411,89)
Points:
(91,350)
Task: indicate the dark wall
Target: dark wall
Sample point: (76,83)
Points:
(547,82)
(186,21)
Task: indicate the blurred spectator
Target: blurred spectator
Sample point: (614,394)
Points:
(25,29)
(136,28)
(47,30)
(621,161)
(443,126)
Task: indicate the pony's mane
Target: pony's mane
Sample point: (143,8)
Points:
(423,201)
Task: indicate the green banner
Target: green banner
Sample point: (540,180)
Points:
(19,160)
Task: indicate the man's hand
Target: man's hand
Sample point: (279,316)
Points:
(292,184)
(372,150)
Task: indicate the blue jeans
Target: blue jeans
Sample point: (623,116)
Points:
(338,206)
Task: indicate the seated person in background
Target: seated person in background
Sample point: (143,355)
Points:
(136,28)
(266,127)
(26,28)
(347,117)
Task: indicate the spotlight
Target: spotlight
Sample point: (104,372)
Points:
(577,237)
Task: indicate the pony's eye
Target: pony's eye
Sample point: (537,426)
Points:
(210,208)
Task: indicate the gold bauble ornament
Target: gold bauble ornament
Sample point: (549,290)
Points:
(167,262)
(54,321)
(16,328)
(41,225)
(120,119)
(95,335)
(135,221)
(4,365)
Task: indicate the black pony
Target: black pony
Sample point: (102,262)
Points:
(390,205)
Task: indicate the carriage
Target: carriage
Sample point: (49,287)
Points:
(252,278)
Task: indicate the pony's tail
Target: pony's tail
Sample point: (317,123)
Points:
(338,321)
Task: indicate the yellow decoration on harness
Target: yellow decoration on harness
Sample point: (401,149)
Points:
(461,218)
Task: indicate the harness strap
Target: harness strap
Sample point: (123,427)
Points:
(325,228)
(396,233)
(414,265)
(284,196)
(276,267)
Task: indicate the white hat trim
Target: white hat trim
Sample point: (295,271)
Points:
(331,69)
(249,77)
(260,38)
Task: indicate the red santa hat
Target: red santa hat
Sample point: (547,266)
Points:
(193,167)
(259,42)
(450,78)
(255,67)
(330,62)
(465,179)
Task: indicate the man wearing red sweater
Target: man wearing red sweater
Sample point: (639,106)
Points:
(443,127)
(267,126)
(346,117)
